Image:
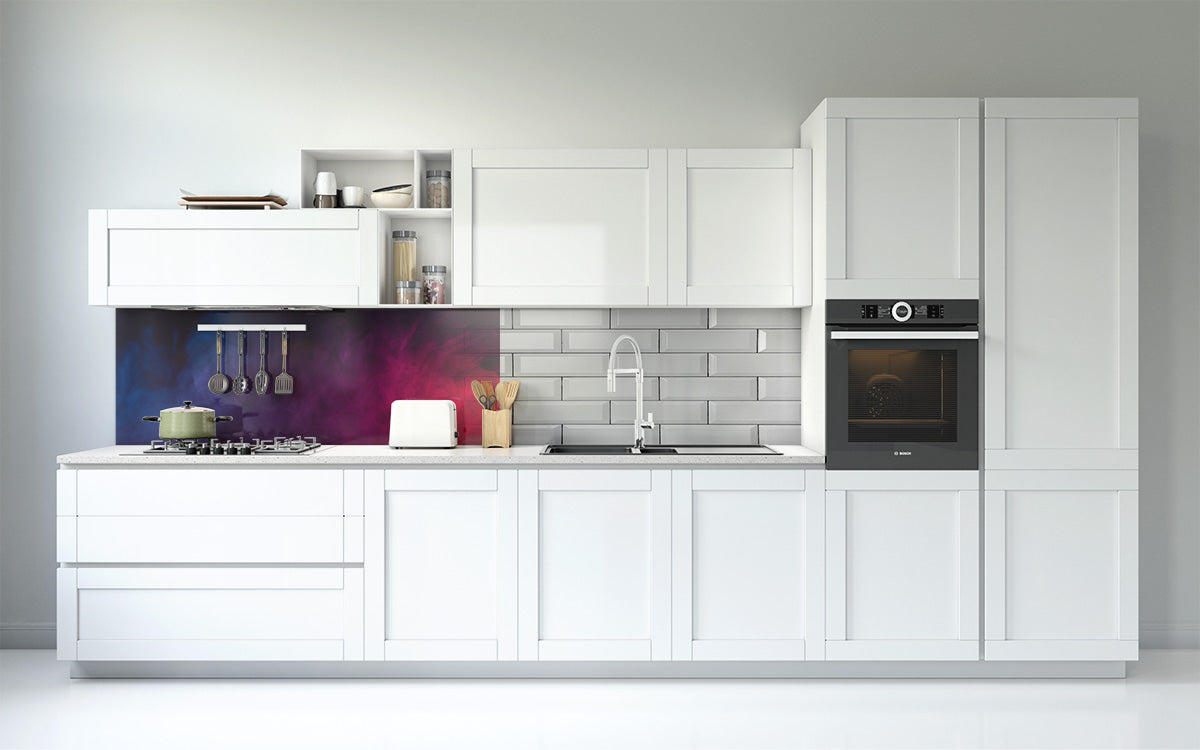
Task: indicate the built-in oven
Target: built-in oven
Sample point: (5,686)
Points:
(902,387)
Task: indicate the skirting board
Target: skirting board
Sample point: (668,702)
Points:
(27,636)
(592,670)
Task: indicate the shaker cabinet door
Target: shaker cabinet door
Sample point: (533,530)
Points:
(903,565)
(566,227)
(739,227)
(139,258)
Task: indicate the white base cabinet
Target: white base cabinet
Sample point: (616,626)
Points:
(594,565)
(902,549)
(229,564)
(441,565)
(748,554)
(1061,565)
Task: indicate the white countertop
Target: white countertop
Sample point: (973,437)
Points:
(467,455)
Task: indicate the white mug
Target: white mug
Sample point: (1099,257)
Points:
(352,196)
(326,183)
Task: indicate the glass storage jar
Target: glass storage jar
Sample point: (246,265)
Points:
(404,255)
(408,292)
(437,188)
(435,284)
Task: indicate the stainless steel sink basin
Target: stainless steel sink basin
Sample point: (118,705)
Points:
(660,450)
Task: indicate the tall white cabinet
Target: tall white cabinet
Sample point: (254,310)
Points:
(1060,378)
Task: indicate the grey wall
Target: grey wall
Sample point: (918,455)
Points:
(118,104)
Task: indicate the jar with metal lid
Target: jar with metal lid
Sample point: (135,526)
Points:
(435,284)
(404,255)
(437,188)
(408,292)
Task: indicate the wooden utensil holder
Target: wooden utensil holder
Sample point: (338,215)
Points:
(497,428)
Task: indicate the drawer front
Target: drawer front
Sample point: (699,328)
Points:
(218,539)
(224,492)
(212,613)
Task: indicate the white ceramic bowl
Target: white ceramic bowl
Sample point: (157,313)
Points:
(392,199)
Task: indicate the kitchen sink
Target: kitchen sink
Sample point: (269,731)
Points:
(660,450)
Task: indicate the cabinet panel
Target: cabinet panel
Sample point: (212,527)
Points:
(903,574)
(1061,569)
(160,539)
(178,491)
(1059,242)
(225,258)
(899,196)
(210,613)
(596,583)
(567,227)
(441,565)
(738,226)
(744,558)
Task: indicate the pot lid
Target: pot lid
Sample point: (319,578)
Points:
(187,407)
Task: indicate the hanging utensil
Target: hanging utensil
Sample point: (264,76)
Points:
(241,384)
(219,383)
(262,378)
(283,381)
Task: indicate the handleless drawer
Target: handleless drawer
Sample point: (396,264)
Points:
(216,539)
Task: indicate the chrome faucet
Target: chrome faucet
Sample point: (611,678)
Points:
(639,426)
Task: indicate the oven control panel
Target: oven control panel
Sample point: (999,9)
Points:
(901,311)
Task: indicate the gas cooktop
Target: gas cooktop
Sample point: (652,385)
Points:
(275,446)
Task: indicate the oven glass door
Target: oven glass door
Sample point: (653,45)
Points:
(903,403)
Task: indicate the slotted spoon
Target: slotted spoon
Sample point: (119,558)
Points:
(219,383)
(283,381)
(262,378)
(241,384)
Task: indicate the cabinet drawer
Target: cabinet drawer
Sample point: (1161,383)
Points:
(211,613)
(223,539)
(224,492)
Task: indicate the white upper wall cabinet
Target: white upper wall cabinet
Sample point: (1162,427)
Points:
(739,227)
(215,258)
(896,196)
(563,227)
(1061,263)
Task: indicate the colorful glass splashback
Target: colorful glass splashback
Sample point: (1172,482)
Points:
(348,367)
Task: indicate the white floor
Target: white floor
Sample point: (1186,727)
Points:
(1156,706)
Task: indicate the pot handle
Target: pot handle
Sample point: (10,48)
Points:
(150,419)
(222,419)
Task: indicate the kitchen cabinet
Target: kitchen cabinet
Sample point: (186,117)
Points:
(1061,378)
(562,227)
(215,258)
(209,564)
(738,227)
(1061,255)
(895,197)
(594,565)
(1060,565)
(902,549)
(441,569)
(748,559)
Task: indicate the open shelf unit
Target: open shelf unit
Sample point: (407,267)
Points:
(376,168)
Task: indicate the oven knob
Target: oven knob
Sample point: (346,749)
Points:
(901,311)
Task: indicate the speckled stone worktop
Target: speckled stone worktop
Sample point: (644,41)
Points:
(470,455)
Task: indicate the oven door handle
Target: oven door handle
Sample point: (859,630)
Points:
(904,335)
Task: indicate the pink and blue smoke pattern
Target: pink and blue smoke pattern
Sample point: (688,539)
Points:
(348,367)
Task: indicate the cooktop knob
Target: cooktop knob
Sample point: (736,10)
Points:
(901,311)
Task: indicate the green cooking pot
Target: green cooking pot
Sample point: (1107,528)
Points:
(187,422)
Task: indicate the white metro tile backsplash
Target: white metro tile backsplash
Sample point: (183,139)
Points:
(712,376)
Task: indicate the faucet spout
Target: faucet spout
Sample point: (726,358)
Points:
(639,425)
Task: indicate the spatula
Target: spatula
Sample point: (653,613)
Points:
(283,381)
(262,378)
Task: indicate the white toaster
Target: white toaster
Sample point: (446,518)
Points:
(424,424)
